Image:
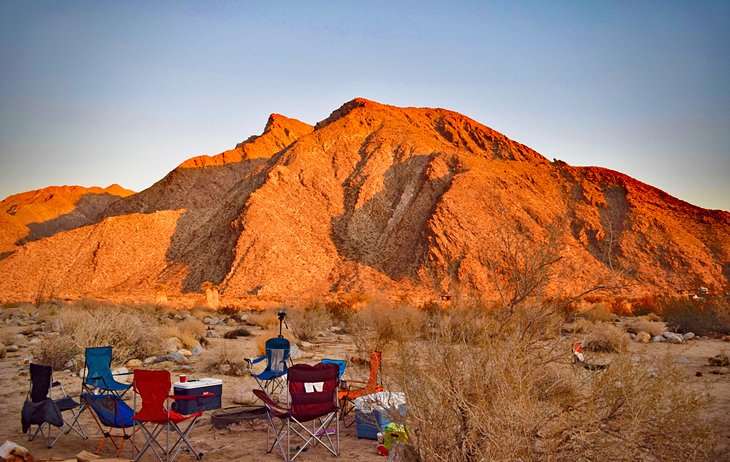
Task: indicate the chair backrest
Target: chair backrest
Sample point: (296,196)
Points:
(277,354)
(312,390)
(154,389)
(375,359)
(40,382)
(111,409)
(341,364)
(98,366)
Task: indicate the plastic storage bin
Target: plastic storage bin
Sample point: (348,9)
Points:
(374,412)
(198,387)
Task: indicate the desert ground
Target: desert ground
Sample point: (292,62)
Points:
(247,441)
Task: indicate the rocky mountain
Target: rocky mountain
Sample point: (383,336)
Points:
(33,215)
(411,202)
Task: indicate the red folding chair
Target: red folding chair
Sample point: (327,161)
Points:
(311,409)
(154,389)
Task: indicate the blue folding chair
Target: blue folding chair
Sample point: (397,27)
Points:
(341,364)
(111,412)
(99,378)
(272,378)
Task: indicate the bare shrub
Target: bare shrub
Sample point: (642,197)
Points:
(131,333)
(379,325)
(644,324)
(306,323)
(224,358)
(56,351)
(510,399)
(702,316)
(599,312)
(605,337)
(189,331)
(264,319)
(578,326)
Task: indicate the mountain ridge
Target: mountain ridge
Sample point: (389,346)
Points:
(376,198)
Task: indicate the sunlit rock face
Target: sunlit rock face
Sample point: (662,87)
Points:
(412,202)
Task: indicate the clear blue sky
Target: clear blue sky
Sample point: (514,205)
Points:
(100,92)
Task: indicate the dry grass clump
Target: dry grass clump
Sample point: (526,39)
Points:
(264,319)
(56,351)
(189,331)
(578,326)
(509,399)
(702,316)
(224,358)
(307,323)
(131,333)
(645,324)
(605,337)
(599,312)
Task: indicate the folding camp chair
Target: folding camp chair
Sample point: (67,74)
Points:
(154,389)
(312,398)
(272,379)
(99,378)
(579,359)
(40,408)
(341,365)
(111,412)
(348,396)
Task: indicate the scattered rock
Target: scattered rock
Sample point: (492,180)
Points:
(657,339)
(197,350)
(682,360)
(719,360)
(184,352)
(688,336)
(207,319)
(231,322)
(173,344)
(676,338)
(632,336)
(150,360)
(134,364)
(34,340)
(643,337)
(175,357)
(12,348)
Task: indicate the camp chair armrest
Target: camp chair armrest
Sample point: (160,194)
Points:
(255,360)
(123,373)
(261,394)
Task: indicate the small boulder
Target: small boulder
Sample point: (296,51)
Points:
(173,344)
(688,336)
(197,350)
(184,352)
(215,321)
(643,337)
(658,339)
(133,364)
(231,322)
(150,360)
(207,320)
(12,348)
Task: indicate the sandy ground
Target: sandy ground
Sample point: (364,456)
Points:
(247,441)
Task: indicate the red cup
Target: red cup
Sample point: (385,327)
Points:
(183,378)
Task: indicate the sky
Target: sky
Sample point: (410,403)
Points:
(99,92)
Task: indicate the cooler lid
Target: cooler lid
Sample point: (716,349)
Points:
(198,383)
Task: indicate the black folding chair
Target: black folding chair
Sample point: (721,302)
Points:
(42,410)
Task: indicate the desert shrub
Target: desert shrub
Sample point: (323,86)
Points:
(579,326)
(56,351)
(702,316)
(599,312)
(131,333)
(507,400)
(189,331)
(645,324)
(306,323)
(264,319)
(379,325)
(238,332)
(645,305)
(605,337)
(224,358)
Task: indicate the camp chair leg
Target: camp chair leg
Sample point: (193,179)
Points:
(151,441)
(278,436)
